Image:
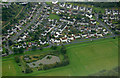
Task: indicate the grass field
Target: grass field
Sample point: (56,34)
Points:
(53,16)
(85,59)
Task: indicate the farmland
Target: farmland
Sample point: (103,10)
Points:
(85,59)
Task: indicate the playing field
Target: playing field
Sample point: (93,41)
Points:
(85,59)
(53,16)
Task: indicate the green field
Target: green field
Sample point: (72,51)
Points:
(85,59)
(53,16)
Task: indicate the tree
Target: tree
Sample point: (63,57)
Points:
(10,42)
(17,59)
(21,50)
(54,47)
(63,49)
(28,70)
(34,47)
(16,50)
(7,52)
(41,48)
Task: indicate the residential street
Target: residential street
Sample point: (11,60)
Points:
(103,24)
(25,28)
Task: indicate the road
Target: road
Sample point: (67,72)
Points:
(25,27)
(73,42)
(7,47)
(103,24)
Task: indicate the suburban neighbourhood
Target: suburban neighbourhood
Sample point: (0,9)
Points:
(49,27)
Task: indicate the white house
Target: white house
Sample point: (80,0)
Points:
(82,8)
(88,15)
(61,4)
(68,5)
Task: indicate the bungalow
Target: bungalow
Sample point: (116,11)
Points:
(89,10)
(106,32)
(43,42)
(56,41)
(61,4)
(104,17)
(100,27)
(19,40)
(99,34)
(88,15)
(108,11)
(82,8)
(54,2)
(56,8)
(115,12)
(108,23)
(68,5)
(82,13)
(62,10)
(70,38)
(93,22)
(84,35)
(91,34)
(77,36)
(63,39)
(24,37)
(112,17)
(75,12)
(75,7)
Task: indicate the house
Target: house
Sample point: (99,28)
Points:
(70,38)
(100,27)
(108,11)
(99,34)
(82,13)
(63,39)
(89,10)
(91,34)
(77,36)
(82,8)
(75,7)
(104,17)
(112,17)
(61,4)
(93,22)
(68,5)
(88,15)
(108,23)
(84,35)
(62,10)
(56,8)
(43,42)
(54,2)
(106,32)
(19,40)
(24,37)
(56,41)
(75,12)
(115,12)
(47,6)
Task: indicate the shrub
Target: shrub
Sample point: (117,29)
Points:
(17,59)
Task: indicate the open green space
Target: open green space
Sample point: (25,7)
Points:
(53,16)
(97,9)
(85,59)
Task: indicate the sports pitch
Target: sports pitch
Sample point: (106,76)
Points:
(85,59)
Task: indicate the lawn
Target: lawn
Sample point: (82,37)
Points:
(53,16)
(85,59)
(97,9)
